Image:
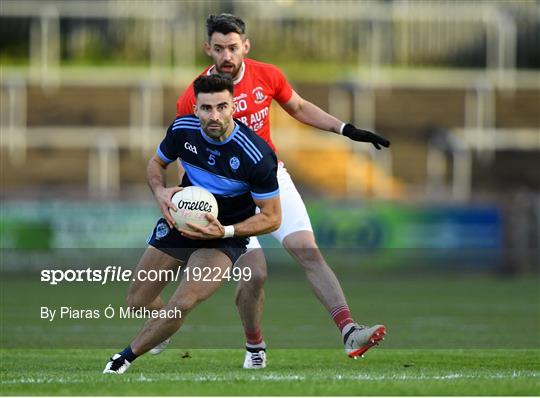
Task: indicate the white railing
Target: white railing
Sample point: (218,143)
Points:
(372,32)
(396,32)
(176,30)
(460,146)
(104,143)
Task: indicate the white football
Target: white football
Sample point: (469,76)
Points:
(193,204)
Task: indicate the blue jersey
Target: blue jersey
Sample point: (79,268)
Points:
(236,170)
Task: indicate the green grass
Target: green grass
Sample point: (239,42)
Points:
(447,335)
(420,312)
(290,372)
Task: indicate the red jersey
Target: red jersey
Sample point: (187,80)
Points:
(254,89)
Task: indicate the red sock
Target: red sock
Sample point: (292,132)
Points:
(253,337)
(341,316)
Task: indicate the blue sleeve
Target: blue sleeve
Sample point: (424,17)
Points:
(168,149)
(264,183)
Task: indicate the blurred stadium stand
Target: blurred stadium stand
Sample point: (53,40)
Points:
(107,110)
(87,88)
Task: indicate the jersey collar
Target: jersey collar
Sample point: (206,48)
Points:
(217,142)
(238,78)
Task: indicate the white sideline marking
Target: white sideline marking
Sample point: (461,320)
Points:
(273,377)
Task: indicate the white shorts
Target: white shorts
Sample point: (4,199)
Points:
(294,216)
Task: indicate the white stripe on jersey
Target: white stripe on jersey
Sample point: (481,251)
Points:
(255,160)
(188,121)
(249,144)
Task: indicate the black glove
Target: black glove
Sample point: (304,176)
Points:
(365,136)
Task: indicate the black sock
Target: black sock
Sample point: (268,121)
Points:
(128,354)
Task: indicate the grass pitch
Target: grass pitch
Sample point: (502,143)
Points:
(289,372)
(450,335)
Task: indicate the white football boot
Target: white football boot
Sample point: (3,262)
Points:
(361,338)
(116,365)
(255,359)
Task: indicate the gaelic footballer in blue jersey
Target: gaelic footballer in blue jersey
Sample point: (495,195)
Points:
(236,170)
(239,168)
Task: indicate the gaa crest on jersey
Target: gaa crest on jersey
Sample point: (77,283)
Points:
(162,230)
(234,163)
(259,94)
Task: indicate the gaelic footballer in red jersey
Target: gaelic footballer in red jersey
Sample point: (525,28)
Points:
(256,84)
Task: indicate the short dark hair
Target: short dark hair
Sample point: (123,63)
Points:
(224,24)
(214,83)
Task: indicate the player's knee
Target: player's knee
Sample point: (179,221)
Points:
(306,252)
(257,277)
(134,301)
(251,287)
(310,258)
(253,266)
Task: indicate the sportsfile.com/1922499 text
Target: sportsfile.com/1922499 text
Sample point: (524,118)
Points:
(118,274)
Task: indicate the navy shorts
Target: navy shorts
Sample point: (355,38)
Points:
(170,241)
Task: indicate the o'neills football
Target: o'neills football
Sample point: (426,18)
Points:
(193,204)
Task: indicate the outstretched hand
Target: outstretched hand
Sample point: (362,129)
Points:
(365,136)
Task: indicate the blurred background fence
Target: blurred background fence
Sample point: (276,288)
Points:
(500,36)
(88,87)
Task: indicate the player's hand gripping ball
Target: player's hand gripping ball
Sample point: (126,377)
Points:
(193,204)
